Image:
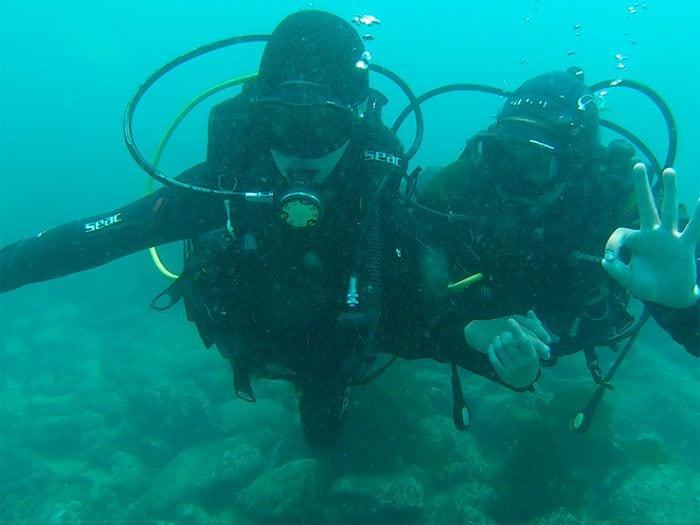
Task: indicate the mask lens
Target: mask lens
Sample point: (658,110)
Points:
(525,167)
(303,131)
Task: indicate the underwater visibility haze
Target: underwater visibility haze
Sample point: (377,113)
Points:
(114,413)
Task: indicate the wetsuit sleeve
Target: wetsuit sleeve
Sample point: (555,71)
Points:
(423,323)
(683,325)
(166,215)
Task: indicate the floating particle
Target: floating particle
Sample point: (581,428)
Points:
(528,19)
(577,27)
(601,101)
(571,52)
(621,61)
(367,37)
(523,61)
(631,10)
(364,61)
(361,64)
(577,33)
(365,20)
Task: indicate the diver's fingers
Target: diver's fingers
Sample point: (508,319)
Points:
(648,216)
(531,347)
(691,234)
(526,345)
(612,264)
(542,350)
(496,363)
(618,239)
(537,327)
(669,204)
(523,342)
(506,348)
(619,271)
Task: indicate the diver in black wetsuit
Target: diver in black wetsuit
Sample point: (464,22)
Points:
(529,207)
(268,278)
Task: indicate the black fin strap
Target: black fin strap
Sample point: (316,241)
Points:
(461,413)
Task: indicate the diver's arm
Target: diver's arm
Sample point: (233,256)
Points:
(683,325)
(444,341)
(167,215)
(662,269)
(442,189)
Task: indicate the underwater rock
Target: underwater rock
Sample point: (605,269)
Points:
(471,494)
(433,442)
(378,498)
(21,472)
(663,494)
(176,413)
(67,513)
(288,494)
(58,436)
(205,474)
(563,517)
(453,474)
(274,429)
(188,514)
(128,477)
(463,505)
(450,514)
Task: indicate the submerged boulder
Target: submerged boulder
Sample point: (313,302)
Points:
(291,493)
(378,498)
(458,504)
(206,474)
(663,494)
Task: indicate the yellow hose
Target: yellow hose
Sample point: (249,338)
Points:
(166,138)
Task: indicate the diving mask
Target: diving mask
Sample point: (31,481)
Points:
(524,167)
(303,131)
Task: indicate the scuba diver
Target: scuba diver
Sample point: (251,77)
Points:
(530,204)
(283,277)
(300,260)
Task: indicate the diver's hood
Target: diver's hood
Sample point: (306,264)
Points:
(311,171)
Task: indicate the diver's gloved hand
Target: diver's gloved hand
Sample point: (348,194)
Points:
(513,344)
(662,268)
(480,333)
(514,357)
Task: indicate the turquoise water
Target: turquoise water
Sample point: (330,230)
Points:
(113,413)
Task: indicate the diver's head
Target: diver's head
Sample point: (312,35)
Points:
(546,129)
(311,83)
